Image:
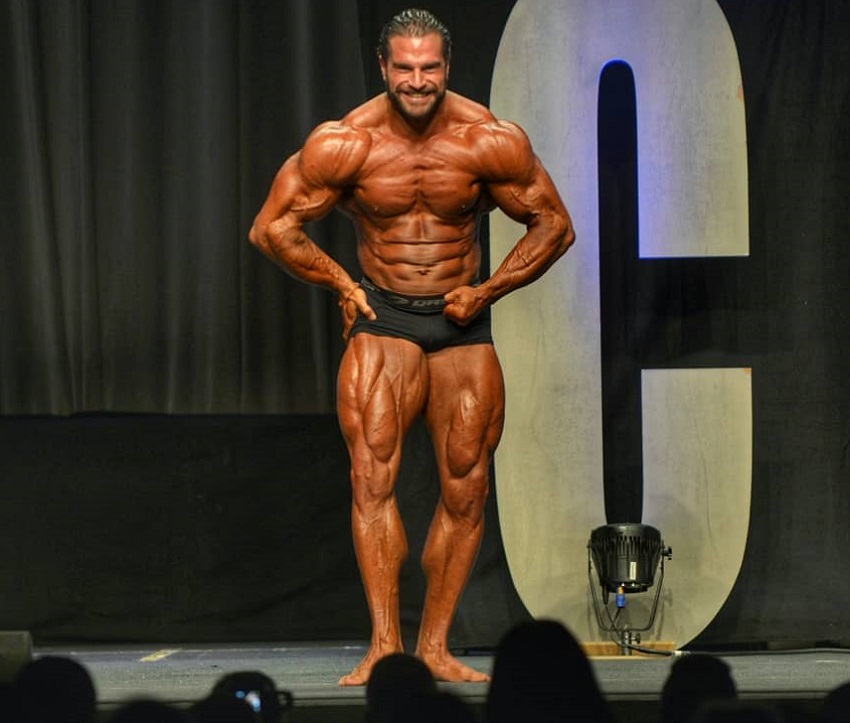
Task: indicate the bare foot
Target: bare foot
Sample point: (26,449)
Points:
(360,674)
(446,667)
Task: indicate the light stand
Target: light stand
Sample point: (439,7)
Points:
(626,556)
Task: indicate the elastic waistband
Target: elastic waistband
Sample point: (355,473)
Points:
(416,304)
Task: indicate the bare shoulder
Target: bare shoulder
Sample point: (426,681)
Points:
(334,152)
(466,111)
(503,149)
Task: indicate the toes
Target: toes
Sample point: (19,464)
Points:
(358,676)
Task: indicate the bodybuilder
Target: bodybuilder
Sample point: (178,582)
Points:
(415,168)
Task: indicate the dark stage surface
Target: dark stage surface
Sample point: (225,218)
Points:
(184,674)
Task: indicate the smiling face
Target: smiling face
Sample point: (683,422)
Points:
(416,74)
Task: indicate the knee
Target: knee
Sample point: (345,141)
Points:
(372,482)
(464,498)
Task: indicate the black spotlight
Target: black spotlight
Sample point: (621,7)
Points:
(626,557)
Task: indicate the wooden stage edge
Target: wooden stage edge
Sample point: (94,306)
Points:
(608,649)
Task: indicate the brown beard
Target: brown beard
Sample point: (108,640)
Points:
(415,119)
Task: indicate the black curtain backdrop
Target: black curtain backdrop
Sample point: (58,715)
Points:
(140,140)
(170,465)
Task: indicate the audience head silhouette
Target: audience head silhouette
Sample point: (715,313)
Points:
(540,670)
(218,708)
(736,711)
(8,708)
(246,695)
(693,681)
(54,689)
(145,710)
(835,707)
(540,673)
(395,679)
(437,707)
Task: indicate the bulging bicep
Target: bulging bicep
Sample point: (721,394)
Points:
(295,199)
(311,181)
(514,177)
(521,186)
(526,196)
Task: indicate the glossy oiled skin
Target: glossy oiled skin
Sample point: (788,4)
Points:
(415,168)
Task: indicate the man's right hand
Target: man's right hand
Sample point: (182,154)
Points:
(351,304)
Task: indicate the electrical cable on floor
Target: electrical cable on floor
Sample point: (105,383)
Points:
(790,651)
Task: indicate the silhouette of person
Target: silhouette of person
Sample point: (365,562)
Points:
(835,707)
(541,673)
(249,696)
(219,708)
(736,711)
(441,706)
(692,681)
(8,703)
(395,679)
(149,710)
(54,689)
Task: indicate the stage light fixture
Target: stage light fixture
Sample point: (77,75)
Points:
(625,557)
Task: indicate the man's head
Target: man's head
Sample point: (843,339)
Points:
(414,52)
(414,23)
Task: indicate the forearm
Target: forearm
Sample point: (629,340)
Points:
(297,254)
(542,245)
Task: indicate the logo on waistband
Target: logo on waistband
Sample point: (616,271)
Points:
(435,303)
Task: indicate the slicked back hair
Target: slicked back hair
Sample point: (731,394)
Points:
(414,23)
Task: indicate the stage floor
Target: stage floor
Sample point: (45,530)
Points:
(184,674)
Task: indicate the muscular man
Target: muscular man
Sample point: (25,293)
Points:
(415,168)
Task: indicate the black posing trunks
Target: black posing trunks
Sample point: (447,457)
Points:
(419,319)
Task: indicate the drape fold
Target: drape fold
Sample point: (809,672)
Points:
(142,140)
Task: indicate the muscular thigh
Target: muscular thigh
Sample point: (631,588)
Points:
(466,407)
(381,388)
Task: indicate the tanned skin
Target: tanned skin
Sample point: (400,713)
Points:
(415,168)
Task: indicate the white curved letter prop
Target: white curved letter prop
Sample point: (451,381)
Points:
(697,423)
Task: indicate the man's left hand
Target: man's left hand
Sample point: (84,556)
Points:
(463,304)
